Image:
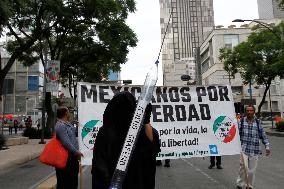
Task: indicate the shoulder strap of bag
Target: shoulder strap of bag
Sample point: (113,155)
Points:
(259,133)
(242,125)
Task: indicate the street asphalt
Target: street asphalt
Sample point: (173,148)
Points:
(183,173)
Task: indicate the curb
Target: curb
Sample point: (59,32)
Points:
(17,141)
(49,183)
(278,134)
(16,162)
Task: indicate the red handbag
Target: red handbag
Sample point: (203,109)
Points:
(54,154)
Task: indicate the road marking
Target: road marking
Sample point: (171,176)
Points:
(203,173)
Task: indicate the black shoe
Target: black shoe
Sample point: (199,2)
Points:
(211,166)
(167,165)
(219,167)
(158,163)
(238,187)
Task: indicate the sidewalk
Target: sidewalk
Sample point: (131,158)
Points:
(273,132)
(20,154)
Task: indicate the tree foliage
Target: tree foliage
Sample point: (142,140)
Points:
(89,37)
(281,3)
(259,59)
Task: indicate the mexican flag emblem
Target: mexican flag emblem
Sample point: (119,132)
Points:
(224,129)
(89,133)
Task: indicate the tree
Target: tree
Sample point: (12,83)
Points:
(281,3)
(259,59)
(228,57)
(55,23)
(89,37)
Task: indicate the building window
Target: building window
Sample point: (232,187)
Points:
(33,82)
(231,41)
(265,106)
(20,104)
(8,87)
(9,104)
(21,83)
(274,106)
(205,66)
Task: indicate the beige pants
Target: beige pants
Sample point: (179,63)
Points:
(250,163)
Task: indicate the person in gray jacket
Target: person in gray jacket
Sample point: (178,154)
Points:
(65,133)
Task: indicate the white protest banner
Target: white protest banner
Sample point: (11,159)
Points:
(192,121)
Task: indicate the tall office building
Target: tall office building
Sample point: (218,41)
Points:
(269,9)
(190,22)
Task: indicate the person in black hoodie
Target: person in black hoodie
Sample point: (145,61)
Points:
(110,139)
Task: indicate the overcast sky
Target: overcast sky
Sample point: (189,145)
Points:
(146,24)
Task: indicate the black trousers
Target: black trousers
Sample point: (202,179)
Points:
(16,129)
(67,178)
(212,160)
(10,130)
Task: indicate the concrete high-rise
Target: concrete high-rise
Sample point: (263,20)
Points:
(191,21)
(269,9)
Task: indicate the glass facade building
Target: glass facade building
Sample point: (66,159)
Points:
(191,21)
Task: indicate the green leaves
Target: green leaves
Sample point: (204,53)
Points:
(258,59)
(281,3)
(89,37)
(87,27)
(5,13)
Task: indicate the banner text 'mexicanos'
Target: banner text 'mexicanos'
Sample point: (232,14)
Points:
(102,93)
(166,111)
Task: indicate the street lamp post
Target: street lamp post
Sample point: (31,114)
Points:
(125,82)
(261,23)
(187,78)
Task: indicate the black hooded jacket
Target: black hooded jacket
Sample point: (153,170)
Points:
(109,141)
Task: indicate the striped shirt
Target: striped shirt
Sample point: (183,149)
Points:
(65,132)
(250,134)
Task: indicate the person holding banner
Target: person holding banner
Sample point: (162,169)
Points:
(109,142)
(167,163)
(218,162)
(65,133)
(251,132)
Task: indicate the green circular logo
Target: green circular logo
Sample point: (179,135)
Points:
(224,129)
(89,133)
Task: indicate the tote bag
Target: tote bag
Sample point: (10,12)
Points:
(54,154)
